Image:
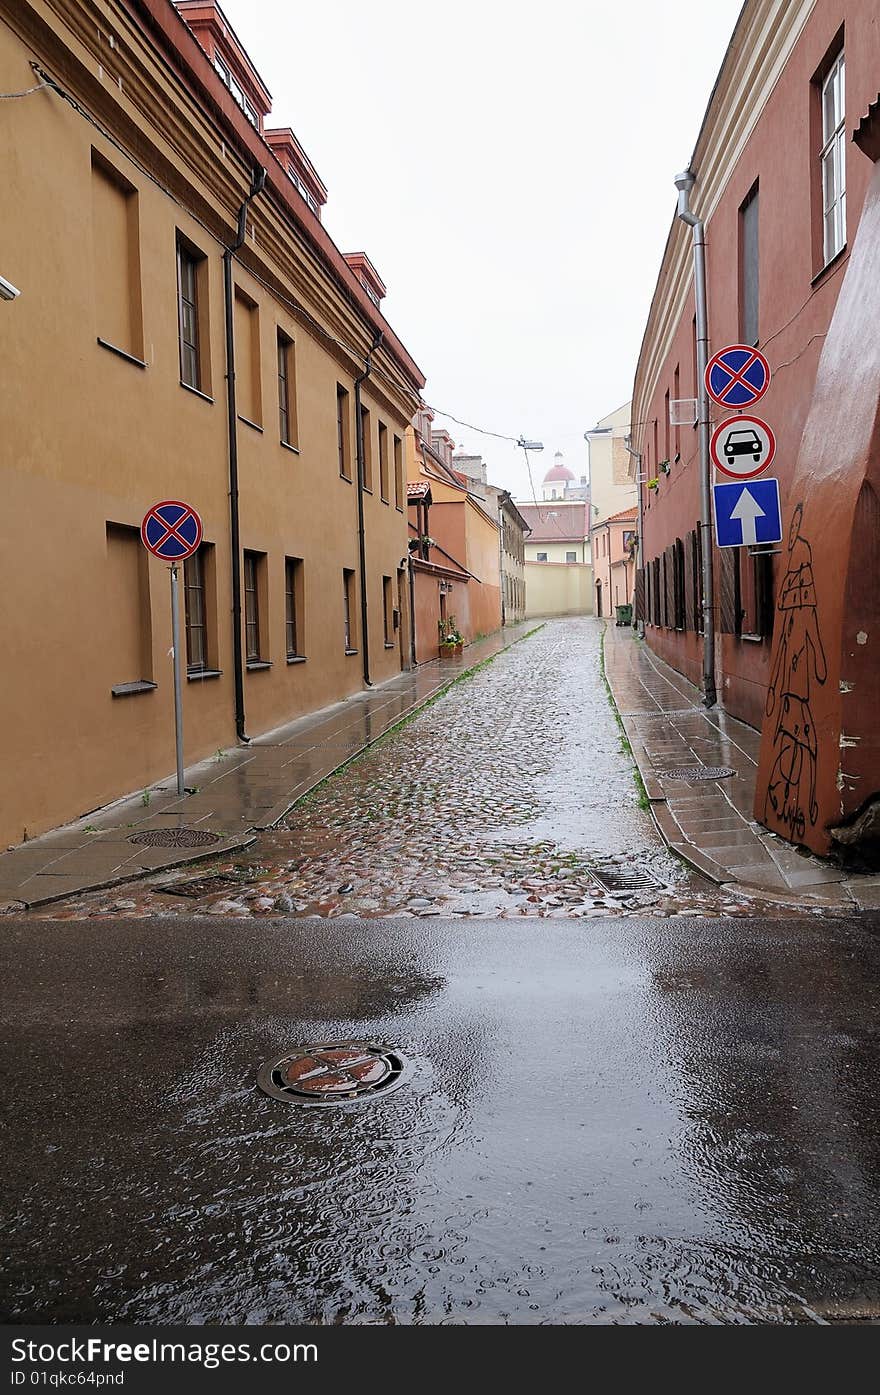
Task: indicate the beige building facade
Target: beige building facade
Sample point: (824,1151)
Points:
(612,488)
(126,175)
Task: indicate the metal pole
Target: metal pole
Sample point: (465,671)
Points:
(710,696)
(178,701)
(684,183)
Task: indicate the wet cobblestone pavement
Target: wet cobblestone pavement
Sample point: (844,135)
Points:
(510,795)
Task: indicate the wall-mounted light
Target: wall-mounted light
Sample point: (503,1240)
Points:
(7,290)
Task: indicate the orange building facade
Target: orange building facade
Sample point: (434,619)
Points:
(116,363)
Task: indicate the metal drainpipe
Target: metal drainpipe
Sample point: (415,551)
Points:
(258,180)
(684,183)
(412,611)
(637,457)
(362,546)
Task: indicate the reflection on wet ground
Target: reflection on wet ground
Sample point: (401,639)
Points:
(631,1121)
(509,796)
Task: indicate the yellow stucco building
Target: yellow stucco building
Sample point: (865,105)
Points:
(130,174)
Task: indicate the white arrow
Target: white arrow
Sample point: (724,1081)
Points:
(746,512)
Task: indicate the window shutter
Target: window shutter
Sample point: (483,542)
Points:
(689,618)
(669,575)
(640,595)
(728,589)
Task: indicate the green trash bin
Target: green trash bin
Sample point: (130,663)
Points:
(624,615)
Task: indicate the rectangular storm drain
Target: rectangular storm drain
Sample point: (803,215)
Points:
(615,878)
(196,887)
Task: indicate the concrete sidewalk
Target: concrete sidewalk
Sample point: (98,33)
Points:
(235,794)
(710,823)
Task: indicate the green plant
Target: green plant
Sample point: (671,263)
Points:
(664,466)
(145,797)
(654,483)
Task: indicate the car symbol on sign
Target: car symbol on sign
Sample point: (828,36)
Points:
(744,443)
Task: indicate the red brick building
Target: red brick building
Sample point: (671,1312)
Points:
(783,166)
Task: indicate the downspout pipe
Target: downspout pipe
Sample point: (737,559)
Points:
(362,544)
(258,180)
(684,183)
(637,457)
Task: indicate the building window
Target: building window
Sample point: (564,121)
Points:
(247,358)
(254,577)
(343,432)
(126,638)
(833,159)
(748,268)
(367,448)
(293,607)
(383,461)
(755,607)
(196,612)
(398,473)
(286,391)
(542,557)
(116,248)
(571,556)
(678,583)
(666,423)
(188,316)
(235,88)
(388,607)
(348,609)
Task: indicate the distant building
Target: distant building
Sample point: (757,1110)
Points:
(560,483)
(513,531)
(614,548)
(455,543)
(558,570)
(612,488)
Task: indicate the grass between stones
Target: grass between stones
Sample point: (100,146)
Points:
(463,677)
(625,747)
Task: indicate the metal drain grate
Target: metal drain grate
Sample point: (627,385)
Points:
(196,887)
(333,1073)
(175,838)
(673,712)
(692,773)
(615,878)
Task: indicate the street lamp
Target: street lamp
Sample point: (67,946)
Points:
(529,445)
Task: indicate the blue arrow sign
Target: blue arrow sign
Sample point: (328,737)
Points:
(747,513)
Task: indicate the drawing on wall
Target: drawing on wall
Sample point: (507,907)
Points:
(798,661)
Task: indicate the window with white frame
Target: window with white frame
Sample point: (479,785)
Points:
(833,159)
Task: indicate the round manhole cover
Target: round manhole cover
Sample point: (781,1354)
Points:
(333,1073)
(692,773)
(175,838)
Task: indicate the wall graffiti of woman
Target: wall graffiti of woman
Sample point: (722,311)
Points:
(799,658)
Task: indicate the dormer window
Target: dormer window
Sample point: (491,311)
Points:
(237,92)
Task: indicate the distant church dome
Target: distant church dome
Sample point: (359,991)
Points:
(558,471)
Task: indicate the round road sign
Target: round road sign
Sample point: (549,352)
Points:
(171,530)
(737,376)
(742,447)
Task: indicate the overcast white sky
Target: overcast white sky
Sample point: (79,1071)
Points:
(508,168)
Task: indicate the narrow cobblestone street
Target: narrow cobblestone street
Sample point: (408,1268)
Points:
(509,795)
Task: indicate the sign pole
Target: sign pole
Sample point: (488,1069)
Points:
(172,531)
(178,701)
